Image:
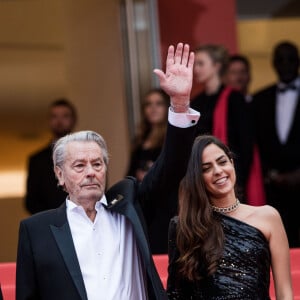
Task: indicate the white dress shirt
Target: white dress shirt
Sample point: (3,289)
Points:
(107,253)
(286,103)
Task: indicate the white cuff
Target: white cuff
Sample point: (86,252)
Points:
(183,120)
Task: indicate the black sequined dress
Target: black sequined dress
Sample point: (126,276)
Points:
(243,273)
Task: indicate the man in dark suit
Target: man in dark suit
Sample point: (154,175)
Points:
(277,119)
(42,191)
(95,245)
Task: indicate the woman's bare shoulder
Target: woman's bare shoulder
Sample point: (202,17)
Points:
(249,211)
(265,218)
(266,211)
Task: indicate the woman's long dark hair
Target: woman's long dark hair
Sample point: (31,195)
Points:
(200,237)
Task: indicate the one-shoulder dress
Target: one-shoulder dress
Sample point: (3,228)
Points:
(243,272)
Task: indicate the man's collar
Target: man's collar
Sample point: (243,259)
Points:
(293,85)
(71,205)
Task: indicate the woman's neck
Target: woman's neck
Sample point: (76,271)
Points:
(213,85)
(225,200)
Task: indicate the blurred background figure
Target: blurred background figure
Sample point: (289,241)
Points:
(223,109)
(276,111)
(145,149)
(151,133)
(238,74)
(42,191)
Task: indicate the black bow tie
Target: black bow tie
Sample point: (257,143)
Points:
(282,87)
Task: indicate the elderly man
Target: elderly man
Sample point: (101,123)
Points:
(95,246)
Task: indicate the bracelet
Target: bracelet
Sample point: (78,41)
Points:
(180,107)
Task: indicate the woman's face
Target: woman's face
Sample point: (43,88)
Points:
(155,108)
(205,68)
(218,172)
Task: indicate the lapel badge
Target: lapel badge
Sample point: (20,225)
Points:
(116,200)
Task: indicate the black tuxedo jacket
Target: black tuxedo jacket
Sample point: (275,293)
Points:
(47,265)
(282,158)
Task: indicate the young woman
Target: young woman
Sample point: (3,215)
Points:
(220,248)
(151,133)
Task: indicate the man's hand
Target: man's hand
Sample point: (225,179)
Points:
(178,79)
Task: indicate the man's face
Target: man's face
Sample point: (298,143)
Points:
(61,120)
(286,63)
(83,173)
(238,76)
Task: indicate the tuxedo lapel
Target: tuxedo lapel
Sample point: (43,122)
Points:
(63,237)
(293,134)
(268,114)
(121,199)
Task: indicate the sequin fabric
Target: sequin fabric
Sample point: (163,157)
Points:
(243,272)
